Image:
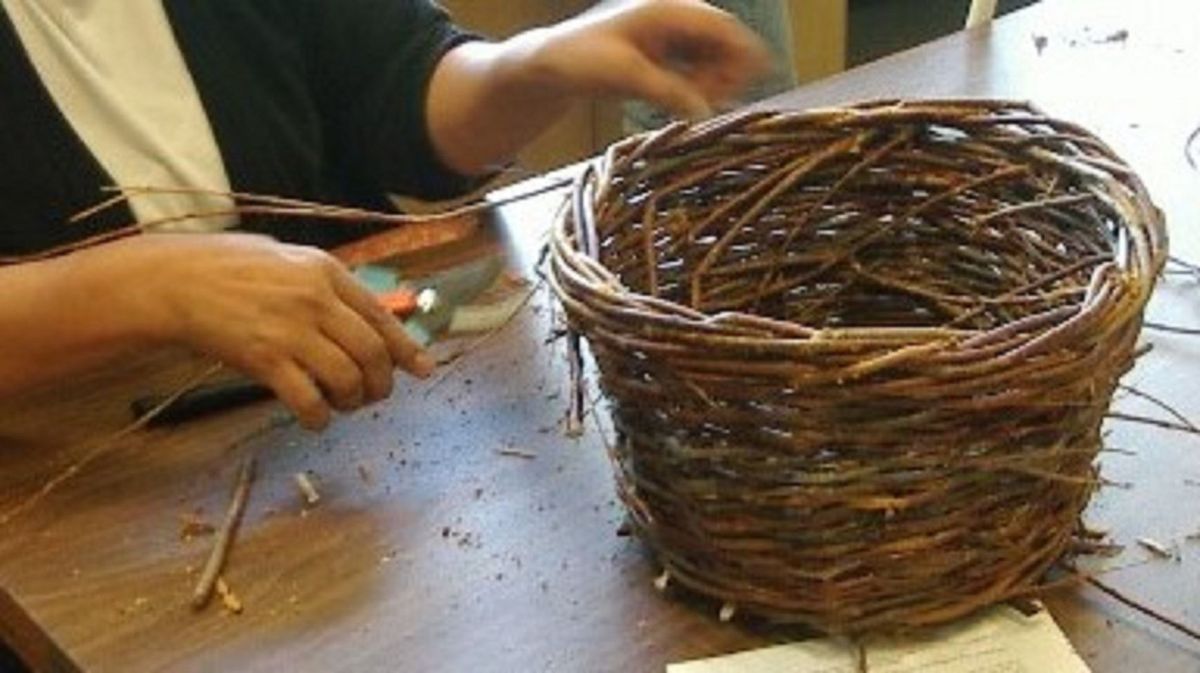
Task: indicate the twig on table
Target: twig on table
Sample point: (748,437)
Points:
(1191,149)
(104,445)
(1149,612)
(224,540)
(863,666)
(1172,329)
(1166,425)
(1174,413)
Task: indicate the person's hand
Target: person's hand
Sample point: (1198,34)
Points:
(291,317)
(683,55)
(488,100)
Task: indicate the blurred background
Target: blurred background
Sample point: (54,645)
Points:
(810,39)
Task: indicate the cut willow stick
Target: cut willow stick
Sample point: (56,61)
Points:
(981,13)
(1174,413)
(1191,148)
(258,204)
(1144,609)
(1156,422)
(1172,329)
(268,204)
(225,536)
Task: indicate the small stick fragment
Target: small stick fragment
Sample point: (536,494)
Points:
(1157,548)
(517,453)
(216,560)
(229,599)
(365,474)
(727,612)
(663,581)
(1149,612)
(192,525)
(307,488)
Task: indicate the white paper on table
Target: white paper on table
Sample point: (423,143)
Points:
(1001,640)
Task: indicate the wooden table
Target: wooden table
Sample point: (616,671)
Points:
(443,554)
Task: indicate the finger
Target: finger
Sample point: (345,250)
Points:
(668,90)
(337,374)
(720,53)
(296,389)
(366,346)
(405,352)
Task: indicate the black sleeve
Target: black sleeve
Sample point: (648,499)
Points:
(370,65)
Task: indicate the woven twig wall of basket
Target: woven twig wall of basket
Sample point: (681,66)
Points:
(858,358)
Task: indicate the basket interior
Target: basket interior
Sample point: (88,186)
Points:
(919,228)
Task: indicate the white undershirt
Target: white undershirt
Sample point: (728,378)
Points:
(116,73)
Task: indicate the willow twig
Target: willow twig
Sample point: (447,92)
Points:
(1191,145)
(1160,404)
(1172,329)
(1158,423)
(224,539)
(1146,610)
(106,444)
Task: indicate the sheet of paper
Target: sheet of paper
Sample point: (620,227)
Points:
(999,641)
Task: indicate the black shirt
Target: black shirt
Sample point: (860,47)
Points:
(315,99)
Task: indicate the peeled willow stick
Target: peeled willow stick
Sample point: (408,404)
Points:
(224,539)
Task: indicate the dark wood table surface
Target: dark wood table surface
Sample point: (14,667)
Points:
(433,550)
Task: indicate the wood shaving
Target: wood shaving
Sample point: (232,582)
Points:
(229,599)
(517,453)
(1157,548)
(663,581)
(727,613)
(194,525)
(307,488)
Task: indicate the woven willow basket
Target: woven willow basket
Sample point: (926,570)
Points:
(858,358)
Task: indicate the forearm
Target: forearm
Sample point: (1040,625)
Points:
(58,317)
(486,101)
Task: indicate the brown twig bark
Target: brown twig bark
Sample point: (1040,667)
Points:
(225,536)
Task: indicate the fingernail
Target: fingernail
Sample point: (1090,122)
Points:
(423,365)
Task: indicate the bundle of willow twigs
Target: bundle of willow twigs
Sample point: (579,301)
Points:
(858,358)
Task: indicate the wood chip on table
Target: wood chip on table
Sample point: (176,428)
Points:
(193,524)
(1158,549)
(229,599)
(307,488)
(517,453)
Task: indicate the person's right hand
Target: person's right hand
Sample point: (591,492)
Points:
(291,317)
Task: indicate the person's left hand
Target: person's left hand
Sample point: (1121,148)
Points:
(487,100)
(683,55)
